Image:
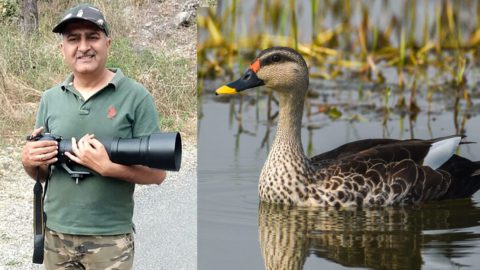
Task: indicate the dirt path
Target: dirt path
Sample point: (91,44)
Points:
(16,208)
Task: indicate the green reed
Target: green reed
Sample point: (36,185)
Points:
(420,38)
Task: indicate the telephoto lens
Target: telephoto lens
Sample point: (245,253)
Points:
(158,150)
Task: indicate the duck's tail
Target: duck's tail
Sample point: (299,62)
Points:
(465,177)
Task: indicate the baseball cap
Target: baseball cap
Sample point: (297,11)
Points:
(85,12)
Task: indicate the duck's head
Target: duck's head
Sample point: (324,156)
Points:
(281,69)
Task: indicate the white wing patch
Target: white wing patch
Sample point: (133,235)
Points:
(441,151)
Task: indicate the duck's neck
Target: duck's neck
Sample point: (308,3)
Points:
(290,123)
(287,168)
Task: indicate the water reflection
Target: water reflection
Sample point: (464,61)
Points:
(386,238)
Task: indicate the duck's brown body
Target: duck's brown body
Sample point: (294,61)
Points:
(372,172)
(380,175)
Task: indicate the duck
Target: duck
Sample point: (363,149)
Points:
(365,173)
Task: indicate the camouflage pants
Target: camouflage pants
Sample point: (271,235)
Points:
(71,252)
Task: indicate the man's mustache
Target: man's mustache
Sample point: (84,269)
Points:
(88,54)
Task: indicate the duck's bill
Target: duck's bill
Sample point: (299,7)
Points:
(247,81)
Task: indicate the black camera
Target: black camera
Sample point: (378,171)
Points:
(158,150)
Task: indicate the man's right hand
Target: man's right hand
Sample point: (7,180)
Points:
(39,153)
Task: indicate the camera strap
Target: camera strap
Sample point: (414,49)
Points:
(39,219)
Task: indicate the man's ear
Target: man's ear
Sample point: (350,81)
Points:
(60,47)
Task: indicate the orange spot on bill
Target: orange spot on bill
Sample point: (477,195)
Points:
(255,66)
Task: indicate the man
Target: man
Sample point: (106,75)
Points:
(89,224)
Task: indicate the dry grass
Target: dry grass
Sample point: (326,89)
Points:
(31,64)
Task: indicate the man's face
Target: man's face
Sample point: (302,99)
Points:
(84,47)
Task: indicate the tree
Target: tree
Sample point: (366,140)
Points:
(29,16)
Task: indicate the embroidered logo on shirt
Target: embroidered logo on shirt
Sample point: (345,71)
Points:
(111,112)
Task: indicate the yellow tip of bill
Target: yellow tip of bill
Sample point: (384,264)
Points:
(225,90)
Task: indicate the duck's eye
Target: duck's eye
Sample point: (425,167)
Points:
(275,58)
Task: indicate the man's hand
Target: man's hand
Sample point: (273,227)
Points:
(39,154)
(90,153)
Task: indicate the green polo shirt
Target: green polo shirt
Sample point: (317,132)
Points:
(96,205)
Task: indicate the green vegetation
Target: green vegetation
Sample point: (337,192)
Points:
(355,41)
(406,47)
(13,263)
(31,64)
(8,9)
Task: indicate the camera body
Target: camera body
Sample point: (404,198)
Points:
(158,150)
(62,147)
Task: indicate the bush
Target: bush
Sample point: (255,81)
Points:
(9,9)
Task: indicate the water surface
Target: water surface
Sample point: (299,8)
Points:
(237,232)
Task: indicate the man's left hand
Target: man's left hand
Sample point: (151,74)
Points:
(90,153)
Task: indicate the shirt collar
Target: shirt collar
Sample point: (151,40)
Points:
(117,78)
